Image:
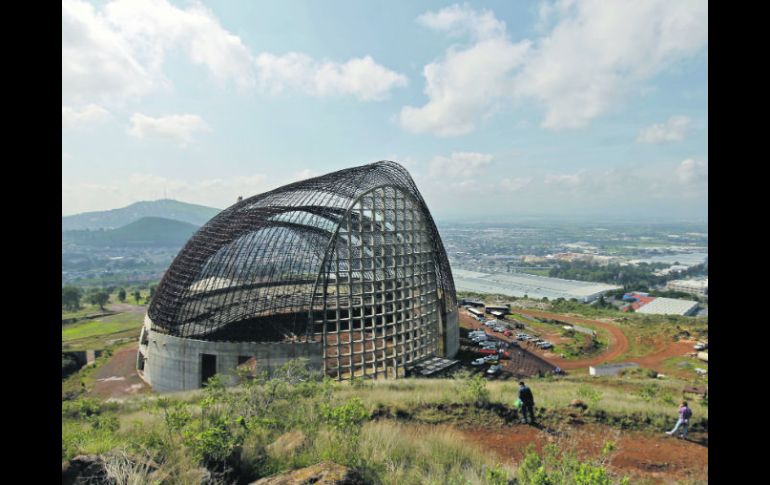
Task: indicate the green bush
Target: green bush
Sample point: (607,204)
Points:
(347,417)
(589,394)
(557,467)
(474,390)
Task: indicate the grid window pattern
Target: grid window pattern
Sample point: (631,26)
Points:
(380,301)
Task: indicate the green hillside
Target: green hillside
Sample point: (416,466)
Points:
(115,218)
(145,232)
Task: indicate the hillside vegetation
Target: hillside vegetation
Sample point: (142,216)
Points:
(114,218)
(145,232)
(393,432)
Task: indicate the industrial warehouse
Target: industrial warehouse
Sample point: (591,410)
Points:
(519,285)
(346,270)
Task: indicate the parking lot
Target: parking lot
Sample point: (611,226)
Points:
(497,343)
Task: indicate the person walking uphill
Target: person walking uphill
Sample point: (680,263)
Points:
(527,403)
(684,419)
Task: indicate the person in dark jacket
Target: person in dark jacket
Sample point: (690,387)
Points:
(527,403)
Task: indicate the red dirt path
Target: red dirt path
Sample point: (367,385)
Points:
(671,349)
(655,457)
(617,345)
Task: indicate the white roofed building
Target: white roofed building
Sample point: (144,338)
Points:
(669,306)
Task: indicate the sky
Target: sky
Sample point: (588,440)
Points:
(577,108)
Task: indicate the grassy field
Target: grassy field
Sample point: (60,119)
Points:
(404,431)
(84,311)
(96,334)
(684,366)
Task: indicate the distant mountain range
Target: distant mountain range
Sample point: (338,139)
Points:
(146,232)
(117,218)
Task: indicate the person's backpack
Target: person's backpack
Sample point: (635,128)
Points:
(687,413)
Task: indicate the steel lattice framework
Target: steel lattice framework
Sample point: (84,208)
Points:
(352,259)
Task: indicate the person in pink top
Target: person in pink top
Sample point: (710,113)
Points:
(684,419)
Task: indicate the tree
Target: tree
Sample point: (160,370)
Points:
(99,298)
(137,296)
(70,297)
(122,295)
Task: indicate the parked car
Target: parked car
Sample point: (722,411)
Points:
(479,361)
(487,351)
(494,369)
(507,333)
(700,346)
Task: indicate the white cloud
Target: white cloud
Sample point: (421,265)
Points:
(599,51)
(360,77)
(154,27)
(672,130)
(693,172)
(514,184)
(460,96)
(179,128)
(117,53)
(459,20)
(592,54)
(97,61)
(570,180)
(459,164)
(72,117)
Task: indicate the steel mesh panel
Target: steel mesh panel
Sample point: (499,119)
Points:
(251,272)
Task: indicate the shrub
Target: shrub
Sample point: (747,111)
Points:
(347,417)
(474,390)
(648,392)
(590,394)
(563,467)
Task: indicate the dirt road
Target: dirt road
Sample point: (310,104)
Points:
(118,377)
(669,349)
(617,345)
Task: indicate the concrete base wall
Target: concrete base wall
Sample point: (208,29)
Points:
(174,364)
(452,333)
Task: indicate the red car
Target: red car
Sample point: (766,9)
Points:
(503,355)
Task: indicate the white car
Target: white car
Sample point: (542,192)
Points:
(480,361)
(494,369)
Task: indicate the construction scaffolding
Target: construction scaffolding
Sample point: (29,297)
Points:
(352,259)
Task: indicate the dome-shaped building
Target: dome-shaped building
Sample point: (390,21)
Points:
(346,269)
